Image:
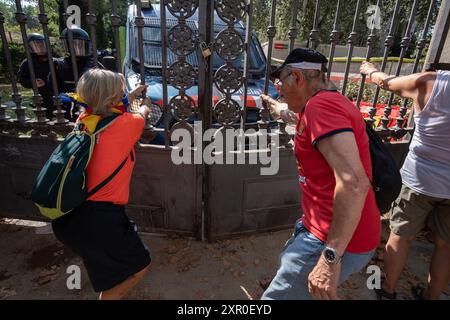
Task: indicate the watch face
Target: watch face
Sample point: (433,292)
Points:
(330,255)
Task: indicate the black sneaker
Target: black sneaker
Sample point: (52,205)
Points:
(417,292)
(384,295)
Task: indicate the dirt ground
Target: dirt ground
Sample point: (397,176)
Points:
(33,265)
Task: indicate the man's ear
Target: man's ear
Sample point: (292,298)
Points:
(298,76)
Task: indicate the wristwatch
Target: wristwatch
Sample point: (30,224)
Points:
(331,256)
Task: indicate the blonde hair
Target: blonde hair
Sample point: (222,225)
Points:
(101,89)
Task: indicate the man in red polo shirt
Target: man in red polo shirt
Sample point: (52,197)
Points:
(340,226)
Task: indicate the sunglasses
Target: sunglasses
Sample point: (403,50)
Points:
(279,82)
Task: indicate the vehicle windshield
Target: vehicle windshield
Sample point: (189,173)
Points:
(152,53)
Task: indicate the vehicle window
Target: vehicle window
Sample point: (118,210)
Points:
(152,52)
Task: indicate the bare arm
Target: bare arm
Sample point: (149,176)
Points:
(417,86)
(139,90)
(352,184)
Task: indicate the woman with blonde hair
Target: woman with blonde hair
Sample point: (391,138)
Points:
(99,230)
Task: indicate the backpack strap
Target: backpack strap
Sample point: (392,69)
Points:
(102,125)
(106,122)
(107,180)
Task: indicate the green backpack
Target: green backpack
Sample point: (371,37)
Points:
(61,186)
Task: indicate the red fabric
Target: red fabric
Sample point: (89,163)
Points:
(365,106)
(113,146)
(325,113)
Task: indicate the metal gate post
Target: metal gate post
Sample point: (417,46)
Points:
(59,113)
(91,20)
(21,19)
(16,96)
(205,80)
(71,45)
(351,41)
(420,46)
(116,22)
(440,37)
(334,38)
(314,35)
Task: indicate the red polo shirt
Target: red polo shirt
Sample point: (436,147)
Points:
(326,114)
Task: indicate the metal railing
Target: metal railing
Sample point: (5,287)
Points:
(229,44)
(193,35)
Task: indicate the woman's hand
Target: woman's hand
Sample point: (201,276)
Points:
(144,111)
(146,101)
(139,90)
(40,83)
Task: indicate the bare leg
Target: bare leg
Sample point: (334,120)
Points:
(122,289)
(396,254)
(439,270)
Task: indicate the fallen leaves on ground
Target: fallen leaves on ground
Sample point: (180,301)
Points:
(265,282)
(46,276)
(6,292)
(4,275)
(350,284)
(188,261)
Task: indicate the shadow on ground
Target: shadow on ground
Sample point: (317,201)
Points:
(33,266)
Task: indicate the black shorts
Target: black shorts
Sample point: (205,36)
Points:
(106,239)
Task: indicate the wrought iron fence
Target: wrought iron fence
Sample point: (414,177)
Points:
(206,72)
(230,43)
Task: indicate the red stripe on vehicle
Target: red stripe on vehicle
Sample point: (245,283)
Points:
(251,103)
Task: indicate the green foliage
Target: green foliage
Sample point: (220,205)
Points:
(17,55)
(26,94)
(123,36)
(53,16)
(352,91)
(8,8)
(261,17)
(55,9)
(102,10)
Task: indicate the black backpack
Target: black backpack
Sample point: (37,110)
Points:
(386,178)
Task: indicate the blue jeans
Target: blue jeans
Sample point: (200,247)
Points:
(298,258)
